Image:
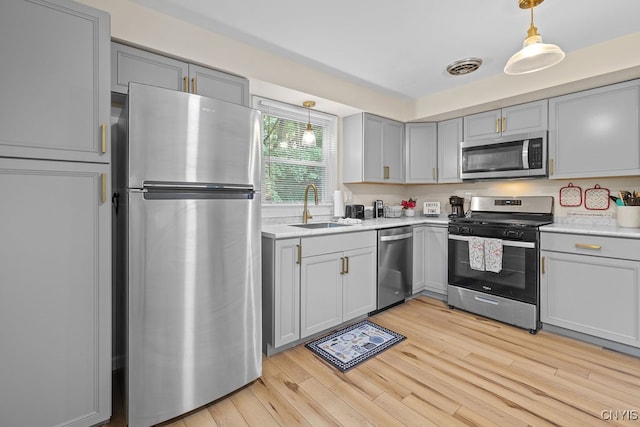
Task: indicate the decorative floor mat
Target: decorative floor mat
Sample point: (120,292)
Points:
(353,345)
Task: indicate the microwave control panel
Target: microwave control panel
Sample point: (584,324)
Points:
(535,153)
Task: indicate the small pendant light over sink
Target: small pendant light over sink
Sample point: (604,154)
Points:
(534,55)
(309,138)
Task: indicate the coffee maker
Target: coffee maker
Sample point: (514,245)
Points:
(457,207)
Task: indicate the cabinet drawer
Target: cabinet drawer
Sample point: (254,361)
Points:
(337,243)
(583,244)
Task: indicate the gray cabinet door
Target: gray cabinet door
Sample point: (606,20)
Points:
(373,149)
(449,138)
(435,259)
(359,282)
(393,152)
(419,260)
(219,85)
(320,293)
(421,151)
(593,295)
(129,64)
(430,259)
(523,118)
(54,90)
(55,294)
(482,125)
(595,132)
(286,312)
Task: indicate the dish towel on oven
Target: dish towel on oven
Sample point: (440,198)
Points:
(476,253)
(485,254)
(493,255)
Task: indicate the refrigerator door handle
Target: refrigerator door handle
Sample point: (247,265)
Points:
(182,186)
(188,191)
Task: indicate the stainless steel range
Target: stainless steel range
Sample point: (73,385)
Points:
(493,258)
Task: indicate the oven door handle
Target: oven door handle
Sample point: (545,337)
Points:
(511,243)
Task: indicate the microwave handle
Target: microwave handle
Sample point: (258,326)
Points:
(525,154)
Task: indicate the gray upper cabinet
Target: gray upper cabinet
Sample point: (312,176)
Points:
(421,153)
(595,132)
(521,118)
(219,85)
(130,64)
(373,149)
(431,152)
(449,138)
(54,90)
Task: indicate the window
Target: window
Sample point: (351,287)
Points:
(289,164)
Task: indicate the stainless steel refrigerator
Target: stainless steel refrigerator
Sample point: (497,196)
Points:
(192,206)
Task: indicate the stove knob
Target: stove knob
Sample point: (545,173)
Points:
(465,230)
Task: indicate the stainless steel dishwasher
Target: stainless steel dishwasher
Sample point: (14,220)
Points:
(395,265)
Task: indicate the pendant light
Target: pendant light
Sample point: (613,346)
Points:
(534,55)
(309,137)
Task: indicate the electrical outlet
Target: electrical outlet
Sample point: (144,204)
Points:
(467,197)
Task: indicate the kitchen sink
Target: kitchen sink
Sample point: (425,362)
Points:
(321,225)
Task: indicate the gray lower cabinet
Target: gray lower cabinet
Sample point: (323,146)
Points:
(54,90)
(449,138)
(55,293)
(591,284)
(595,132)
(338,280)
(373,149)
(129,64)
(430,259)
(280,292)
(311,284)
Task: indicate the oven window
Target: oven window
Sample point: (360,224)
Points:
(516,280)
(495,157)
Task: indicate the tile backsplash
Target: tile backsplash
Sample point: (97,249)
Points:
(393,194)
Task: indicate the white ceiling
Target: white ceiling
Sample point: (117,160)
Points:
(402,47)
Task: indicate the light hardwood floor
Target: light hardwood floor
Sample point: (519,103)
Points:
(453,369)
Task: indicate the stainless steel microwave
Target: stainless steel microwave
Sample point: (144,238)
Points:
(514,156)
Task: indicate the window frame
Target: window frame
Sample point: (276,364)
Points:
(330,153)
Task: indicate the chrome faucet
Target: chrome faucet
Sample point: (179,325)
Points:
(305,213)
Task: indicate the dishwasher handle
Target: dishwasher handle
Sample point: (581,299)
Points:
(396,237)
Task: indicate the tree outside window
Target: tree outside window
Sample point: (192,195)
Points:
(289,164)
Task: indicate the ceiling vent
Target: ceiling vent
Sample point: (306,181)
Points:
(464,66)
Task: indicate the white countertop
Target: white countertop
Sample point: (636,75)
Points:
(609,230)
(286,231)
